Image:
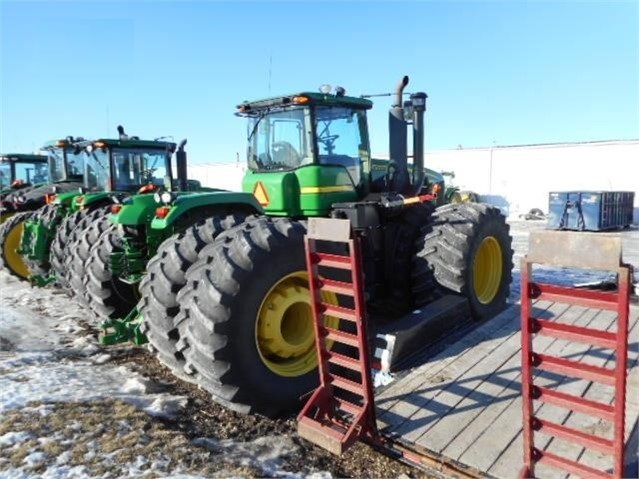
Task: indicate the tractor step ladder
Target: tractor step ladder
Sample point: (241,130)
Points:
(342,409)
(584,251)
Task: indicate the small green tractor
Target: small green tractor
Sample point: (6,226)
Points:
(225,302)
(19,172)
(453,194)
(65,173)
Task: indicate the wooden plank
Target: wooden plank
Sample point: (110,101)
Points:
(415,391)
(505,320)
(577,352)
(574,249)
(451,435)
(450,400)
(481,423)
(483,453)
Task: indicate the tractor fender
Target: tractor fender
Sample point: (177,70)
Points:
(188,203)
(66,198)
(136,210)
(95,199)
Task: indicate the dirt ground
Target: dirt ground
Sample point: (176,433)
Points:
(204,418)
(104,438)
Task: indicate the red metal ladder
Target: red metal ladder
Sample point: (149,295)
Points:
(574,250)
(342,408)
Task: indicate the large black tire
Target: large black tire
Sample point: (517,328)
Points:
(466,249)
(65,236)
(81,240)
(249,333)
(107,296)
(185,370)
(410,223)
(50,216)
(165,277)
(10,234)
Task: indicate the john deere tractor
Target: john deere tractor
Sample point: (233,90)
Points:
(65,172)
(107,257)
(135,167)
(114,169)
(226,303)
(20,172)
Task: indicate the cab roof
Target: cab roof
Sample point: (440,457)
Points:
(136,143)
(305,98)
(23,158)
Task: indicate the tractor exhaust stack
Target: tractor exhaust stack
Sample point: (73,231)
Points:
(418,101)
(397,138)
(180,166)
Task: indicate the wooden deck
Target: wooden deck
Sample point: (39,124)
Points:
(464,405)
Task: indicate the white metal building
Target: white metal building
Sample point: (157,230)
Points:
(515,178)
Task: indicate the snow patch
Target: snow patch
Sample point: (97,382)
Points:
(13,438)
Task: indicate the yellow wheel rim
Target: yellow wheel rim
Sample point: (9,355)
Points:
(455,198)
(284,333)
(5,216)
(11,257)
(487,270)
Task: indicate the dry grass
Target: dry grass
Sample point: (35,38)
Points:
(107,438)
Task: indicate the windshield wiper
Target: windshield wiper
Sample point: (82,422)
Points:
(257,122)
(98,161)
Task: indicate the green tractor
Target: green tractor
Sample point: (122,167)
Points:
(65,173)
(135,168)
(116,261)
(226,303)
(114,169)
(19,172)
(453,194)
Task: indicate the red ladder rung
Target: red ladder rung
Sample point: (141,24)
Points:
(348,407)
(570,466)
(338,311)
(339,287)
(574,403)
(344,361)
(577,296)
(578,437)
(332,260)
(567,367)
(569,332)
(347,385)
(341,337)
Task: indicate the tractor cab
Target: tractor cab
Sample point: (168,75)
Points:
(19,170)
(318,145)
(127,165)
(66,161)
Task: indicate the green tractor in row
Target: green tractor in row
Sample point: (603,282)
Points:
(65,173)
(111,266)
(19,172)
(114,169)
(453,194)
(225,303)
